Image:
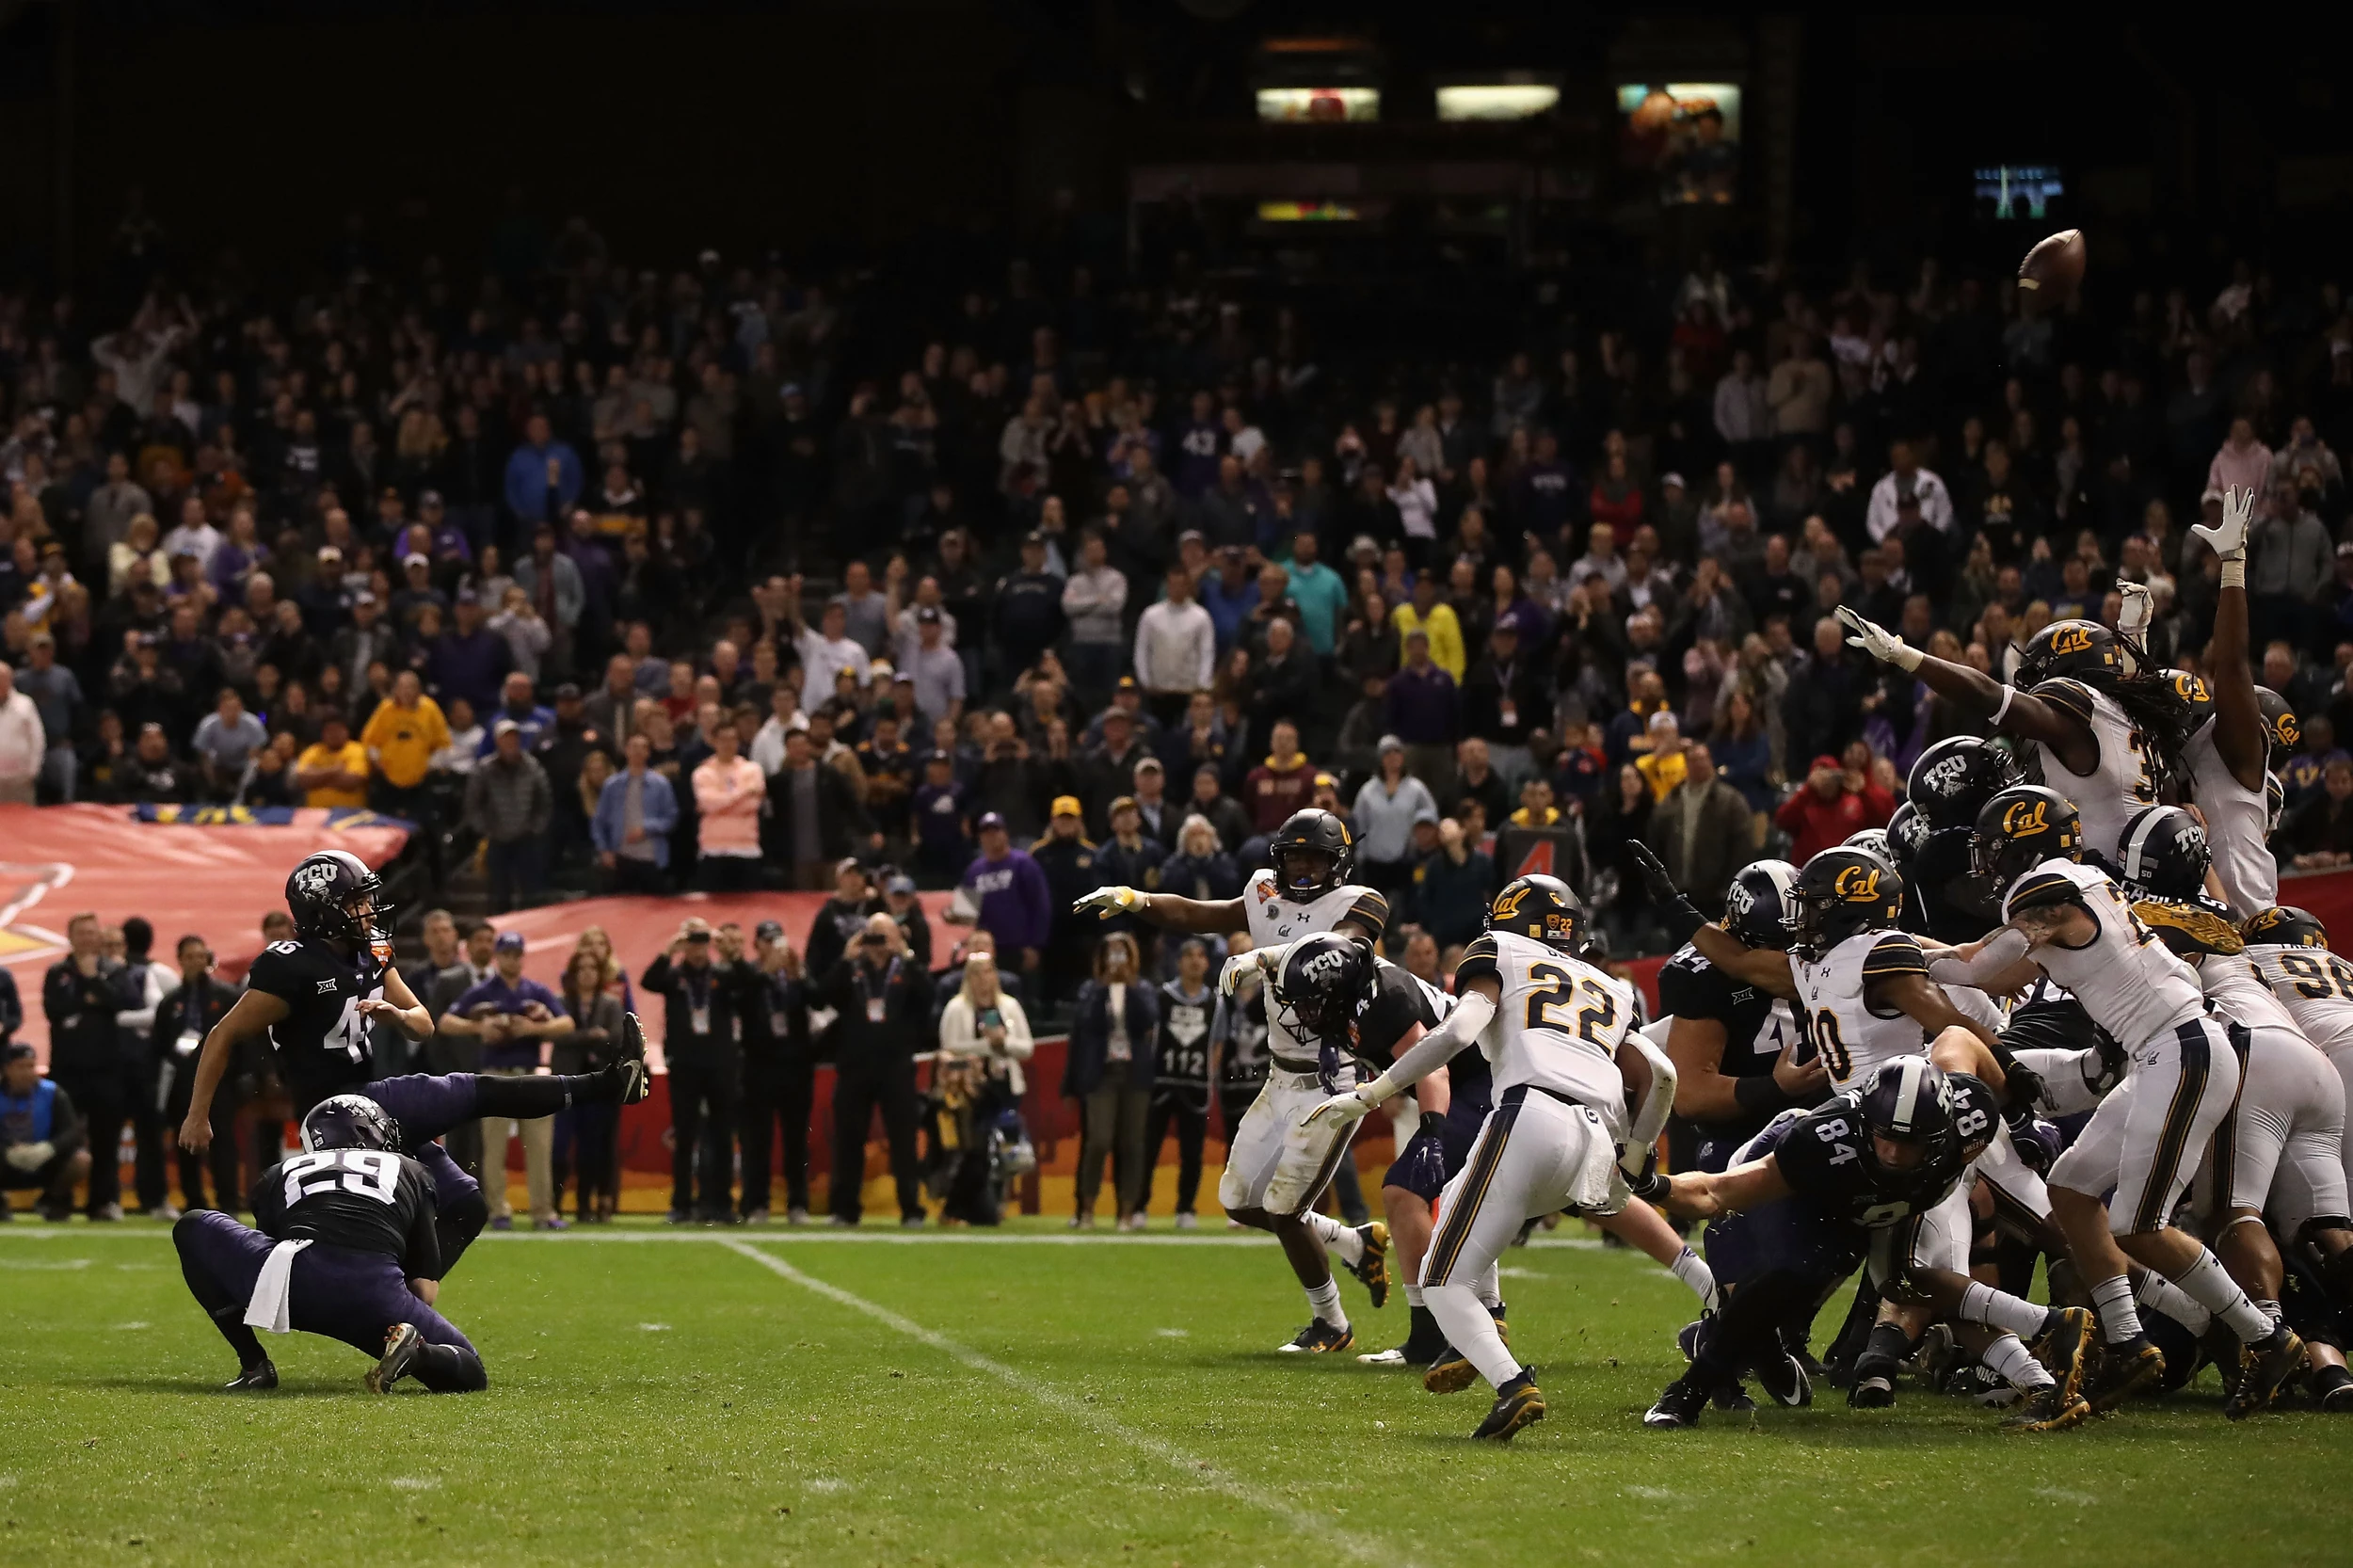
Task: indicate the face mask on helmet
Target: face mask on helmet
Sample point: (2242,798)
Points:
(1300,868)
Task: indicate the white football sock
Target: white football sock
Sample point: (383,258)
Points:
(1324,1302)
(1490,1287)
(1998,1309)
(2160,1294)
(1342,1240)
(2211,1284)
(1413,1295)
(1693,1271)
(1471,1331)
(2013,1361)
(2112,1298)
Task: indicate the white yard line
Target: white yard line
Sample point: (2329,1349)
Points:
(1360,1547)
(133,1229)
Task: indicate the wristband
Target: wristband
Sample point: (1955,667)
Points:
(2009,694)
(1761,1096)
(1907,658)
(1680,919)
(1378,1090)
(2234,571)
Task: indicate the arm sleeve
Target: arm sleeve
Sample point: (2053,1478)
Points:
(1650,1117)
(1434,1049)
(2005,950)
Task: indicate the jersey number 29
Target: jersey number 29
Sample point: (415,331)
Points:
(368,1171)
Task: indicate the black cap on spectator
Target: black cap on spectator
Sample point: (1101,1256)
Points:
(768,931)
(990,820)
(567,692)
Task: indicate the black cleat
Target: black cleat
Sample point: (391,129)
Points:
(2065,1349)
(636,1079)
(255,1378)
(1874,1386)
(2125,1370)
(1453,1372)
(2333,1390)
(1783,1380)
(2220,1347)
(1815,1371)
(1372,1267)
(1518,1403)
(2265,1365)
(2052,1407)
(402,1345)
(1424,1343)
(1320,1338)
(1679,1405)
(1732,1397)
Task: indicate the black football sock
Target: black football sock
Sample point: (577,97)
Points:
(1887,1348)
(227,1315)
(544,1094)
(456,1225)
(449,1369)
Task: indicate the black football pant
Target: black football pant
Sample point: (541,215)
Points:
(776,1095)
(1193,1128)
(703,1122)
(859,1092)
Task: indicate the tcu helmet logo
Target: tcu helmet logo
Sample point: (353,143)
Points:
(1738,901)
(1947,776)
(1857,886)
(2022,818)
(317,879)
(2071,639)
(1330,962)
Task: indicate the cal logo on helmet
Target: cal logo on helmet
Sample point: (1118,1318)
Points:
(1508,904)
(2290,732)
(2193,691)
(1858,885)
(2071,639)
(2024,817)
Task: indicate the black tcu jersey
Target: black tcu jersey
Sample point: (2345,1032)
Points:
(1691,987)
(1400,1002)
(1241,1026)
(322,1043)
(368,1200)
(1182,1076)
(1821,1155)
(1945,898)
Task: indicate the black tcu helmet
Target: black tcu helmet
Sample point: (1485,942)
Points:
(1954,778)
(349,1121)
(1756,906)
(1543,907)
(321,891)
(1906,831)
(1874,842)
(1325,980)
(2280,725)
(2284,926)
(1906,1099)
(2165,852)
(1842,892)
(2020,828)
(1312,853)
(2073,650)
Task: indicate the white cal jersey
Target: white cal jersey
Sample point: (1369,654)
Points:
(2121,782)
(1849,1036)
(2313,985)
(2236,817)
(2130,984)
(2239,990)
(1558,1023)
(1274,918)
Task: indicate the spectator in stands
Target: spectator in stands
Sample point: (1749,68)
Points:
(1109,1071)
(1453,881)
(43,1142)
(636,812)
(510,803)
(1387,807)
(1422,708)
(815,815)
(1835,804)
(225,744)
(86,1055)
(57,692)
(400,740)
(1281,784)
(1175,649)
(333,770)
(729,795)
(1006,892)
(24,743)
(1702,831)
(2319,832)
(543,477)
(510,1014)
(587,1136)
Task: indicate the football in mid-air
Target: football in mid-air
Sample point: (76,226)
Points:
(2054,267)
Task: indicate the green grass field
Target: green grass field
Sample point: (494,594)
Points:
(783,1397)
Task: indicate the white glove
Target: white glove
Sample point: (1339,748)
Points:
(1339,1111)
(2230,541)
(31,1157)
(1239,967)
(1880,643)
(1108,901)
(2140,608)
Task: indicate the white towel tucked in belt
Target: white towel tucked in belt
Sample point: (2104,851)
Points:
(273,1293)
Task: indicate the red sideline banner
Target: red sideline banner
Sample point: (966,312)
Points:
(213,881)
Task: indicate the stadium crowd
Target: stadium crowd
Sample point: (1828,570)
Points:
(1036,572)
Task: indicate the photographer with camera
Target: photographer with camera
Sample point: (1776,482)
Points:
(885,1000)
(984,1039)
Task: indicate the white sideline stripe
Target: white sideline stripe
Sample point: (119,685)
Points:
(1047,1393)
(132,1230)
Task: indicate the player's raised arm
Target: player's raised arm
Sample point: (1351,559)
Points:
(2013,711)
(250,1017)
(1761,967)
(2239,731)
(1203,917)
